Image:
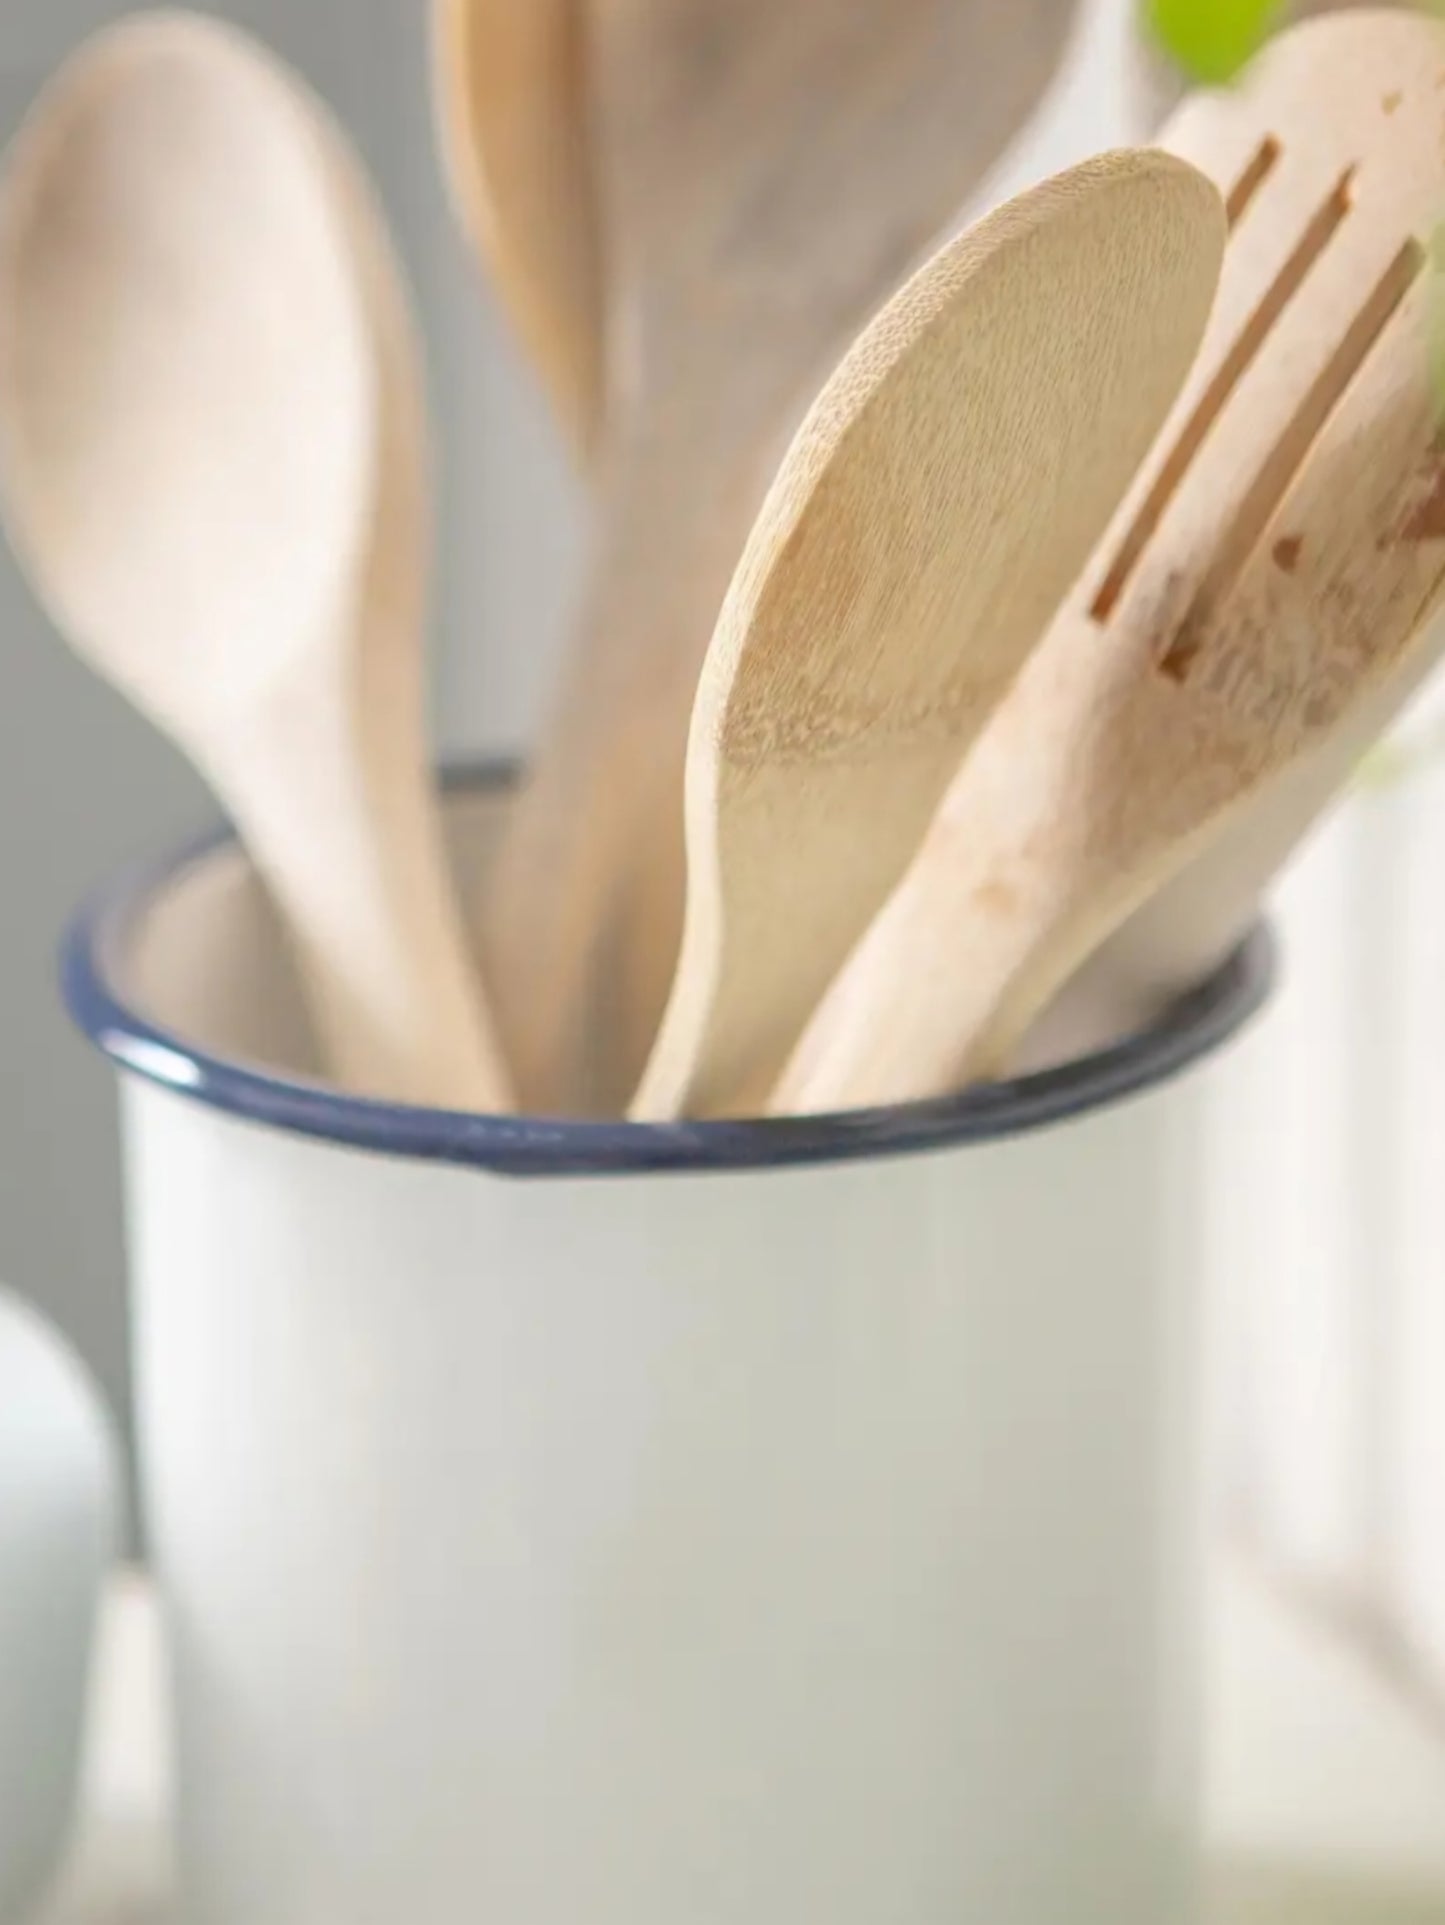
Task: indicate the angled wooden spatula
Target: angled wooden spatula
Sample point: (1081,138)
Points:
(937,502)
(1265,587)
(766,176)
(1377,74)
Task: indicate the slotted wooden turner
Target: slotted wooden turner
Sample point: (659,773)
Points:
(1270,575)
(1193,923)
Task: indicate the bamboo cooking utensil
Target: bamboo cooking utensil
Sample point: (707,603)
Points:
(766,176)
(1175,939)
(210,451)
(1189,928)
(1272,573)
(935,507)
(512,104)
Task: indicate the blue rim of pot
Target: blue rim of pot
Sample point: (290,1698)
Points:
(91,980)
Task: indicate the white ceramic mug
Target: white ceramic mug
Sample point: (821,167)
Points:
(59,1493)
(742,1524)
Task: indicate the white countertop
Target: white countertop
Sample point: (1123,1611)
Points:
(1327,1790)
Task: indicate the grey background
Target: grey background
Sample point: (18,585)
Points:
(85,784)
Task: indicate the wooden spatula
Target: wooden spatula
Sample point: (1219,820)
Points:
(1270,575)
(940,498)
(511,93)
(767,175)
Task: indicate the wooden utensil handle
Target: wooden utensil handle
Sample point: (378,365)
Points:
(349,844)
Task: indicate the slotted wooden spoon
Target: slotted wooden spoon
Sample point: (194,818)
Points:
(511,90)
(936,505)
(766,176)
(1193,923)
(1269,577)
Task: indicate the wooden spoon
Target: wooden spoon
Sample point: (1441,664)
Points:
(210,448)
(1192,924)
(512,102)
(1270,577)
(935,507)
(767,174)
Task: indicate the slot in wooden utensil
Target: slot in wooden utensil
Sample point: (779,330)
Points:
(1259,604)
(1192,923)
(936,504)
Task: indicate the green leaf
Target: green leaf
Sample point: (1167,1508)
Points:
(1212,40)
(1384,768)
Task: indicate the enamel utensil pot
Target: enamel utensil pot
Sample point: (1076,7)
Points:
(618,1522)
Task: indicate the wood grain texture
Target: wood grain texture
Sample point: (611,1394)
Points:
(1174,940)
(932,512)
(513,106)
(1277,598)
(767,175)
(212,457)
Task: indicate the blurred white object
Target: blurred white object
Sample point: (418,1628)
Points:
(1326,1149)
(58,1497)
(1399,1043)
(122,1869)
(1291,1364)
(1326,1146)
(1405,1269)
(1326,1788)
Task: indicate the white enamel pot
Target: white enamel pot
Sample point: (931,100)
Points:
(742,1524)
